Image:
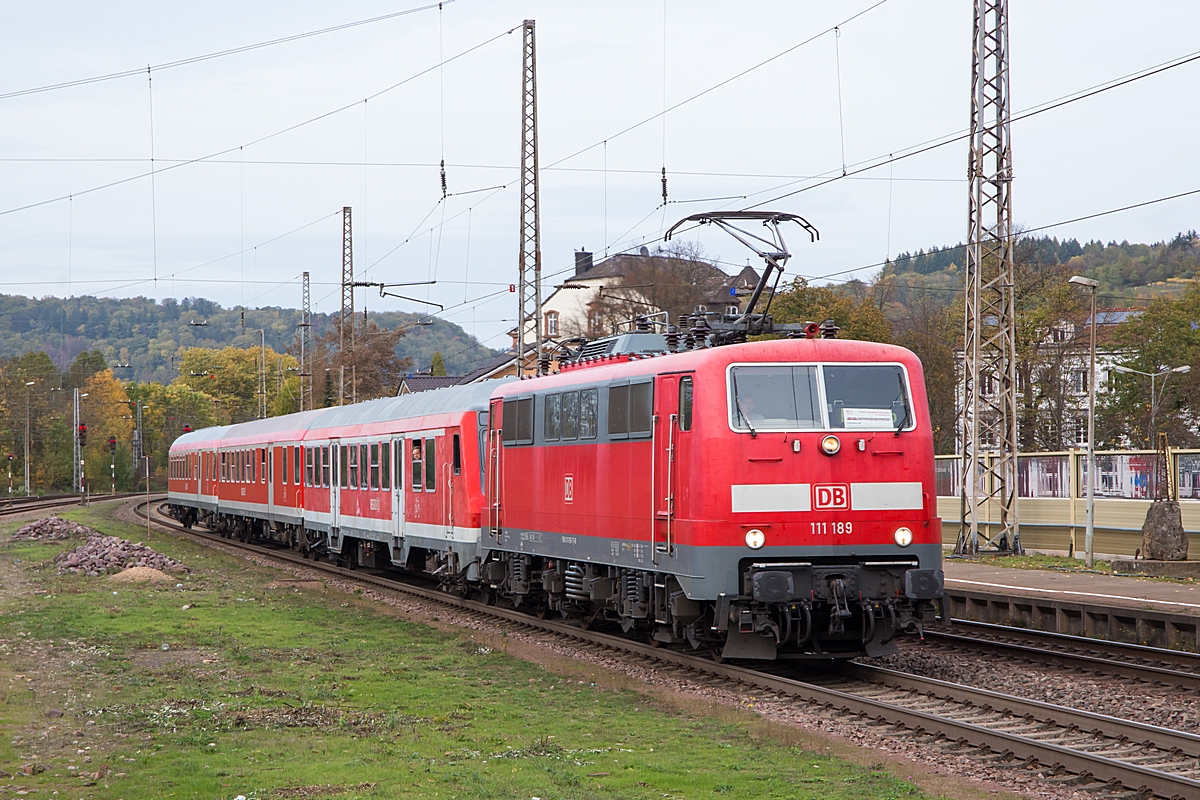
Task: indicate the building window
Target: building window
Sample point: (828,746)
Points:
(552,323)
(731,310)
(593,321)
(1079,381)
(1081,430)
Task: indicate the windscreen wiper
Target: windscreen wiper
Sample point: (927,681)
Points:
(903,398)
(737,403)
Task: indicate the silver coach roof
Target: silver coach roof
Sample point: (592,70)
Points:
(471,397)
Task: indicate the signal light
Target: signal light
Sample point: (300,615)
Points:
(187,428)
(112,444)
(82,434)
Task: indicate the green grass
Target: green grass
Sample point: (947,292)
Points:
(1032,561)
(264,689)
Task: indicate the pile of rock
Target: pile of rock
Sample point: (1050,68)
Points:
(52,527)
(101,554)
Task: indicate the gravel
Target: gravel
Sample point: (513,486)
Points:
(1164,706)
(52,528)
(102,554)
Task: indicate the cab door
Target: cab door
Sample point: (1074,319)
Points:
(672,416)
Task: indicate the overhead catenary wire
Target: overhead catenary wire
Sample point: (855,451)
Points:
(261,139)
(218,54)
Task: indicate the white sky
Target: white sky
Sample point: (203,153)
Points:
(904,80)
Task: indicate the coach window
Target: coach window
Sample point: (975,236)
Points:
(296,456)
(431,462)
(641,408)
(308,466)
(325,467)
(398,455)
(343,466)
(685,404)
(363,466)
(262,463)
(416,464)
(352,453)
(385,466)
(375,466)
(283,464)
(553,427)
(457,456)
(570,415)
(589,411)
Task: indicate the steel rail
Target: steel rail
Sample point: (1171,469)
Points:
(974,704)
(1149,672)
(60,501)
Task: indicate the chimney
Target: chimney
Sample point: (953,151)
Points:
(583,262)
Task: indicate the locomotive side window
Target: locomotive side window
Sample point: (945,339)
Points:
(416,465)
(589,409)
(570,415)
(525,420)
(641,408)
(553,427)
(866,396)
(618,412)
(431,461)
(780,398)
(509,432)
(685,404)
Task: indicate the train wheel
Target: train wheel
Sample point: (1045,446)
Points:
(489,595)
(716,655)
(541,610)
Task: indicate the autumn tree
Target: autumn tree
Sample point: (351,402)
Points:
(166,411)
(438,365)
(230,376)
(106,412)
(372,368)
(858,317)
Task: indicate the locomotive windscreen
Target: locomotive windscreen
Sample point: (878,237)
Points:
(866,396)
(788,397)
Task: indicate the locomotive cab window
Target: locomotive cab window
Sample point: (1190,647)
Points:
(774,398)
(685,404)
(869,396)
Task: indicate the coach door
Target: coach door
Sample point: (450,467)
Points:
(669,397)
(335,481)
(398,478)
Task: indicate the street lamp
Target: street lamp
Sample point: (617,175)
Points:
(1079,280)
(1155,397)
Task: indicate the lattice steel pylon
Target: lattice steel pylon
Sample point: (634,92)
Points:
(306,348)
(346,323)
(529,318)
(989,387)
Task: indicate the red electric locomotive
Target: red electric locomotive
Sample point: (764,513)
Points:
(759,499)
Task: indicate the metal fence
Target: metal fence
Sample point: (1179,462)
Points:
(1052,488)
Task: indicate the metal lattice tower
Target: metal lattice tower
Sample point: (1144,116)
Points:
(306,351)
(529,318)
(346,323)
(989,388)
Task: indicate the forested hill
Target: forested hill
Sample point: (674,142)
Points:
(1116,266)
(150,335)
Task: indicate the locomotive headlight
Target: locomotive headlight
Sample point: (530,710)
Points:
(903,536)
(830,445)
(755,538)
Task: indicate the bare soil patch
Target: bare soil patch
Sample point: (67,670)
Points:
(141,575)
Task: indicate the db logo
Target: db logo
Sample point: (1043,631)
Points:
(569,488)
(831,495)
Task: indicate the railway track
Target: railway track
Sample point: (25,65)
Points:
(22,505)
(1153,665)
(1098,751)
